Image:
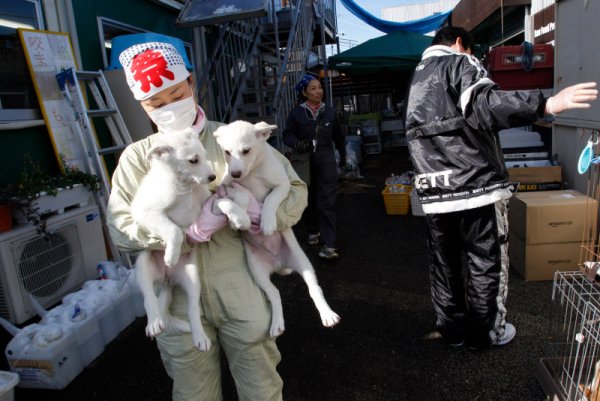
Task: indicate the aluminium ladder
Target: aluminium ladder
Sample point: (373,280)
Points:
(69,83)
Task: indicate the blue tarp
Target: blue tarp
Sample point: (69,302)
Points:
(423,25)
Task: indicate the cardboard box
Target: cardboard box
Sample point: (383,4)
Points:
(534,175)
(548,217)
(539,186)
(539,261)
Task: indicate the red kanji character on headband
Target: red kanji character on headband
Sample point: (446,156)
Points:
(152,67)
(148,67)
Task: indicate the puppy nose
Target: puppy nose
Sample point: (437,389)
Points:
(236,174)
(211,178)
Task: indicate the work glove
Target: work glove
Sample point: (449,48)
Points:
(303,145)
(572,97)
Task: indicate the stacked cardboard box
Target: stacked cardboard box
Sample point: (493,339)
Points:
(527,160)
(546,231)
(536,178)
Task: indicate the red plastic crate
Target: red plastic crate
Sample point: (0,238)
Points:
(505,64)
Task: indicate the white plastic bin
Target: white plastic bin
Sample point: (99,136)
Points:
(44,356)
(8,381)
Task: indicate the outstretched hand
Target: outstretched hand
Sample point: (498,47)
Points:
(572,97)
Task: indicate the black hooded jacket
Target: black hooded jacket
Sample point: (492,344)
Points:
(453,116)
(301,125)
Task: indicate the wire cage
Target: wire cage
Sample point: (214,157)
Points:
(571,371)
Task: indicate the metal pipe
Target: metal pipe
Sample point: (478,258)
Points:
(21,124)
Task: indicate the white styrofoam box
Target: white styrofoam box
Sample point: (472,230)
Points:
(526,156)
(527,163)
(8,381)
(519,138)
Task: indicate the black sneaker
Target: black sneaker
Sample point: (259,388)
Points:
(328,253)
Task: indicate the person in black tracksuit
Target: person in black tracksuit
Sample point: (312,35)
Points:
(454,112)
(313,127)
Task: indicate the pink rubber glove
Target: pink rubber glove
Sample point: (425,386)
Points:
(572,97)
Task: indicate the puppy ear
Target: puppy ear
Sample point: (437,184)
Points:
(159,152)
(263,129)
(219,131)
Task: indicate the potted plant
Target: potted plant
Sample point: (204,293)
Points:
(37,195)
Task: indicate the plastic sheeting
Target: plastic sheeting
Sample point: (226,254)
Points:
(423,25)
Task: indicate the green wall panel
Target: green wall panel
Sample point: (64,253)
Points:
(143,14)
(15,145)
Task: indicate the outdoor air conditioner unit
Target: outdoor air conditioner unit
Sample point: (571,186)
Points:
(49,268)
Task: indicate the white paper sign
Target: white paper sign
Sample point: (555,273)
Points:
(48,53)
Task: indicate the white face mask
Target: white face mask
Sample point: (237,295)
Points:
(176,116)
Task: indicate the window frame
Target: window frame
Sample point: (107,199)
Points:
(130,29)
(18,115)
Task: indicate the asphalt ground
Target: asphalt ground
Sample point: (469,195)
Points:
(382,350)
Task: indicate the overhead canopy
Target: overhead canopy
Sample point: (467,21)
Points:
(423,25)
(396,51)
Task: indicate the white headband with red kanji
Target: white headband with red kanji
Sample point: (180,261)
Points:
(152,67)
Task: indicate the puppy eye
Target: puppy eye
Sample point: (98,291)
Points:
(194,160)
(228,153)
(246,151)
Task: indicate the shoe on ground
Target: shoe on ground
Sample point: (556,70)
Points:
(328,253)
(313,239)
(456,343)
(509,333)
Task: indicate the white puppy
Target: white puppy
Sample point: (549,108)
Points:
(251,162)
(167,201)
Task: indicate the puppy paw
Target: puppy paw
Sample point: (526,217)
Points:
(330,319)
(155,327)
(284,271)
(240,222)
(201,342)
(277,327)
(268,225)
(172,255)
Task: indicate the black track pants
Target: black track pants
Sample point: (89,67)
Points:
(469,272)
(322,193)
